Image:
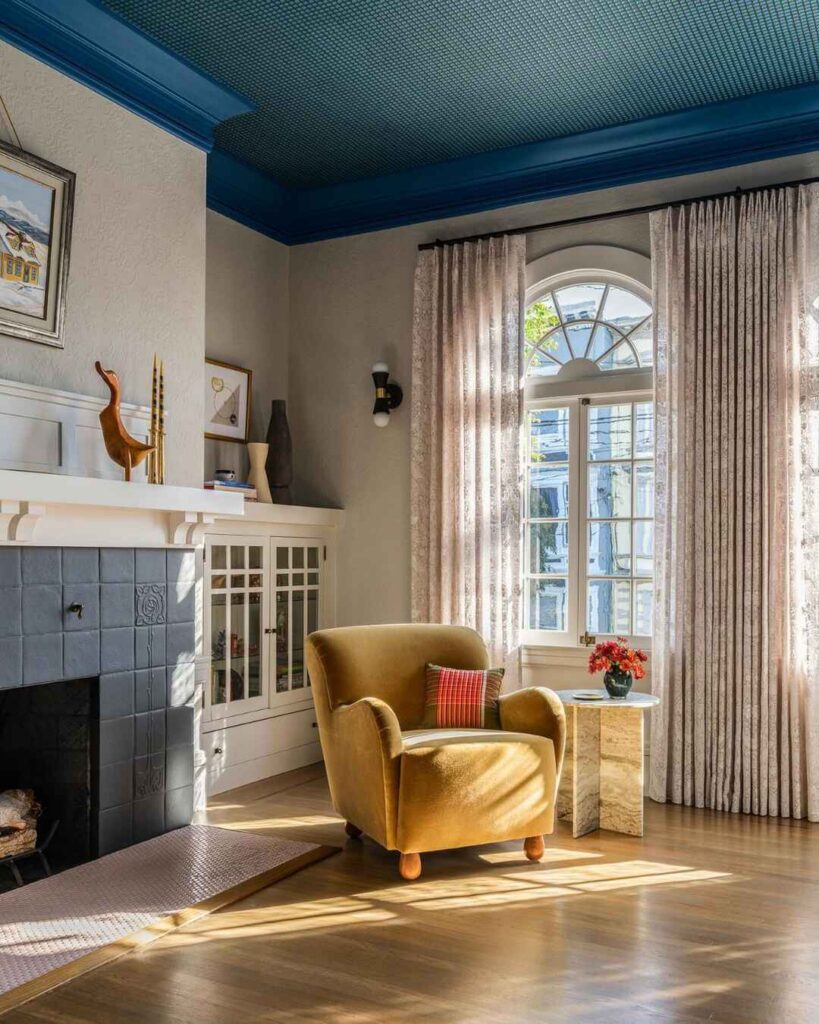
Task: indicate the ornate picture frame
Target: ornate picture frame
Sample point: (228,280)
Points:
(228,400)
(36,214)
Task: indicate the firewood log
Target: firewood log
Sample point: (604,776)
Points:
(16,805)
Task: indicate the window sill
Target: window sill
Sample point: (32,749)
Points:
(551,654)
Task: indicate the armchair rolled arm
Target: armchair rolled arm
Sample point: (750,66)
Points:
(375,716)
(365,762)
(539,711)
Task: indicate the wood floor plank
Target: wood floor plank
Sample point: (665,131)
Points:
(707,918)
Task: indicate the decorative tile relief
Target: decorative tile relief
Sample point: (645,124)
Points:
(151,604)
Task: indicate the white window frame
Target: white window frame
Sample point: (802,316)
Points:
(573,388)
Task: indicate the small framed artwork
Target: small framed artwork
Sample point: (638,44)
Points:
(227,401)
(36,209)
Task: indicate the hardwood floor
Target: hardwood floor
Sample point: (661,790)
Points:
(708,918)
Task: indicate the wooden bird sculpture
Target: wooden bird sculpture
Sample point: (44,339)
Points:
(122,448)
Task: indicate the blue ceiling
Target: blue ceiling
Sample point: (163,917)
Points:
(350,89)
(324,118)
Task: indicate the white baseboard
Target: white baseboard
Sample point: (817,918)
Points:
(222,778)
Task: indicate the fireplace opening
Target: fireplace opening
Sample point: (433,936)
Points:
(47,742)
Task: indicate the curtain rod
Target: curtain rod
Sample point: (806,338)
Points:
(614,214)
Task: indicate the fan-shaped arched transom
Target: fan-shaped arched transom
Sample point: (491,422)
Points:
(607,324)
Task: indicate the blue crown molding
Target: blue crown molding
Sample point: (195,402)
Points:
(705,138)
(111,56)
(250,197)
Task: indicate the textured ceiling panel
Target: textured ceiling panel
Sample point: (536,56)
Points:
(352,88)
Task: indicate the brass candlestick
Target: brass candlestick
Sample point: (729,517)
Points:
(156,466)
(162,422)
(152,459)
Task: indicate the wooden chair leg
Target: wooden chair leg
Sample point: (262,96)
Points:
(409,866)
(534,847)
(353,831)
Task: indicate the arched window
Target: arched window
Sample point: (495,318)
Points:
(605,325)
(590,459)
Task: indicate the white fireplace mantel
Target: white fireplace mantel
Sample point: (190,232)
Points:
(53,509)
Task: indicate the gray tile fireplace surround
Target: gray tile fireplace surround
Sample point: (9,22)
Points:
(136,635)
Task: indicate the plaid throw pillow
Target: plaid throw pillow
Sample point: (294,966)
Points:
(460,698)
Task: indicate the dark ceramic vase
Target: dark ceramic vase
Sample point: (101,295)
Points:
(279,464)
(618,684)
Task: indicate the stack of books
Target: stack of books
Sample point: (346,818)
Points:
(248,491)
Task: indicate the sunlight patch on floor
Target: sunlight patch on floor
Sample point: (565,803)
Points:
(494,899)
(309,915)
(689,995)
(412,892)
(660,879)
(595,872)
(363,915)
(535,885)
(551,853)
(475,892)
(292,821)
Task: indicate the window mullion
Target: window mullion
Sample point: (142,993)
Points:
(576,499)
(580,520)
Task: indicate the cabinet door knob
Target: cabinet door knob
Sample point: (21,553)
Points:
(269,630)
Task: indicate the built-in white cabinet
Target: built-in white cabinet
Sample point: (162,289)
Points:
(268,582)
(262,597)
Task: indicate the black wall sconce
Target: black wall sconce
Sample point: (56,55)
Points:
(388,394)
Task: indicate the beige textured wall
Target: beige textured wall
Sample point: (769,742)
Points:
(351,304)
(246,322)
(137,277)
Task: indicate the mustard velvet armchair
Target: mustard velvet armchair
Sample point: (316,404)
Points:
(414,789)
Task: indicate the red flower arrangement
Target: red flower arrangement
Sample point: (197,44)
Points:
(616,656)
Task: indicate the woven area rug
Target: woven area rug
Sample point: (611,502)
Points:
(60,927)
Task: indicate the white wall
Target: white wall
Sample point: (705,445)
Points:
(137,267)
(246,322)
(351,304)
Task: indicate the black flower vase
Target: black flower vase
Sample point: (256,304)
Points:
(617,683)
(279,464)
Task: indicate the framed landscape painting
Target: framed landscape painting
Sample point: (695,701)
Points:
(227,401)
(36,207)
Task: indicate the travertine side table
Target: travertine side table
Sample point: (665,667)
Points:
(602,781)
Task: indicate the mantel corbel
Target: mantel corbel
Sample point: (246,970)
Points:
(19,519)
(187,529)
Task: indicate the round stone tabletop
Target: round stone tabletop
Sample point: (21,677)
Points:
(634,700)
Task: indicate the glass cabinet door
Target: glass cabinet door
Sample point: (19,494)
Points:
(296,588)
(235,576)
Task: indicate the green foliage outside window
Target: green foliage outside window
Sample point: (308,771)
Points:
(540,318)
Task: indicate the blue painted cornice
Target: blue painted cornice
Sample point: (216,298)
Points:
(705,138)
(97,48)
(250,197)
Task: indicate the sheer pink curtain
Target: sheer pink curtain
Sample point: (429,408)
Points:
(466,417)
(737,532)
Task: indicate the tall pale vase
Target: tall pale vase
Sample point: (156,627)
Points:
(257,453)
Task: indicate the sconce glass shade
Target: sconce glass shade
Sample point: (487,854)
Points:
(388,394)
